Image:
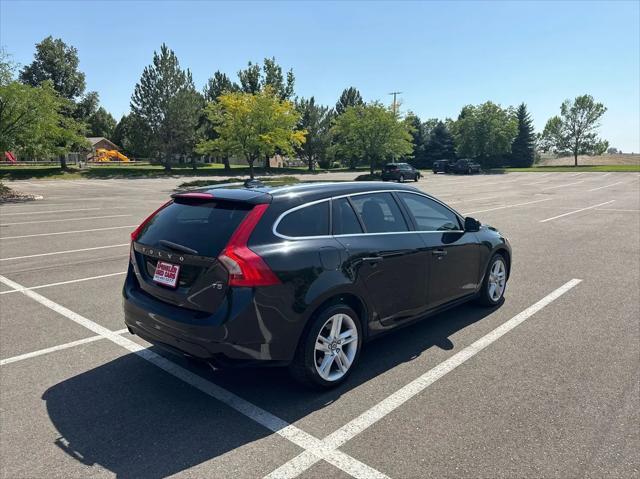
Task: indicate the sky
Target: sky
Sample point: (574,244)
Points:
(440,55)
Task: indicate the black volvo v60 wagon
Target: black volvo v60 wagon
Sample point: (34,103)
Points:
(303,275)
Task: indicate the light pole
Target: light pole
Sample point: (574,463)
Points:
(394,93)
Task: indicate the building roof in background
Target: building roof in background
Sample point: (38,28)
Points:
(94,140)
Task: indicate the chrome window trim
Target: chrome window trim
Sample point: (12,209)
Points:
(311,203)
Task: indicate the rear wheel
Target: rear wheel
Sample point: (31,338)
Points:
(330,348)
(495,282)
(417,177)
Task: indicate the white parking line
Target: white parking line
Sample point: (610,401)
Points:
(606,186)
(60,347)
(562,186)
(69,232)
(64,252)
(80,280)
(64,211)
(347,432)
(508,206)
(275,424)
(67,219)
(576,211)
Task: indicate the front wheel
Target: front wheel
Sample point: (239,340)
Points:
(329,349)
(417,177)
(401,179)
(495,282)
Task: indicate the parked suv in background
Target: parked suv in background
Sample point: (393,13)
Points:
(442,166)
(399,172)
(303,275)
(465,167)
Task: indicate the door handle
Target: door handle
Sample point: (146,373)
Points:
(373,259)
(439,252)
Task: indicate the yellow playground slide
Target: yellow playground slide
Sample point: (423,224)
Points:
(104,155)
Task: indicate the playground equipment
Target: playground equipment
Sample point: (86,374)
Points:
(104,155)
(10,157)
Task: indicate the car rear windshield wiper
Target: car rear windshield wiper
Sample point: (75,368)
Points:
(177,247)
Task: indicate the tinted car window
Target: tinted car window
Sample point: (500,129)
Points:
(379,213)
(308,221)
(429,215)
(203,227)
(345,221)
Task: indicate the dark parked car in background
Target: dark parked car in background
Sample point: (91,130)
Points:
(465,167)
(442,166)
(303,275)
(399,172)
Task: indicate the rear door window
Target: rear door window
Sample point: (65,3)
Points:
(310,220)
(379,213)
(429,215)
(201,226)
(345,221)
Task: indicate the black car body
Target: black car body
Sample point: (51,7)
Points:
(399,172)
(465,167)
(442,166)
(257,265)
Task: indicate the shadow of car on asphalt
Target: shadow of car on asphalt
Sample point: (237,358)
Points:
(137,421)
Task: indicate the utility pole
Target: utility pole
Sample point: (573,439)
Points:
(394,93)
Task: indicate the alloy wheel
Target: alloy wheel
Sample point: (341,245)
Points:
(497,280)
(336,347)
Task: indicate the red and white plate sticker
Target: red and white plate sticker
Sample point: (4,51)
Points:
(167,274)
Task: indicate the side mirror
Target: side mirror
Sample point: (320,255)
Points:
(471,224)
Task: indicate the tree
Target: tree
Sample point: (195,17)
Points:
(153,104)
(31,122)
(419,139)
(218,84)
(316,121)
(180,126)
(252,125)
(440,144)
(101,123)
(575,130)
(57,62)
(372,133)
(254,79)
(130,134)
(349,97)
(485,132)
(86,106)
(523,146)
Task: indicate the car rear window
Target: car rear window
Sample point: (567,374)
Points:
(201,226)
(312,220)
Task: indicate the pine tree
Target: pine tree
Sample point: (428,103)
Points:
(523,146)
(440,145)
(350,97)
(158,100)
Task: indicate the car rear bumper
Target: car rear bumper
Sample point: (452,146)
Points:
(236,334)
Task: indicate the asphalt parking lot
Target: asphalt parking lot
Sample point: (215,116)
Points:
(544,386)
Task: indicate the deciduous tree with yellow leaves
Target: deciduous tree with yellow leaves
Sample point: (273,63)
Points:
(252,125)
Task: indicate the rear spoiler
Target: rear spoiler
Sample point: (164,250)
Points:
(225,194)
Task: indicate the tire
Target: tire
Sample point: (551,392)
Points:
(401,179)
(417,177)
(320,369)
(469,171)
(492,292)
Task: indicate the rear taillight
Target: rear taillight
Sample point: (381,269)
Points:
(135,233)
(245,267)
